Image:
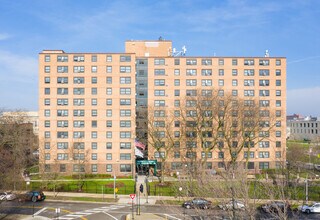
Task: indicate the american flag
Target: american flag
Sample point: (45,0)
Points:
(139,145)
(138,153)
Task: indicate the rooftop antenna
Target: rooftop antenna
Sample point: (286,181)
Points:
(266,53)
(182,52)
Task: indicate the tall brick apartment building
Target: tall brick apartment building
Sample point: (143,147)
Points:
(92,106)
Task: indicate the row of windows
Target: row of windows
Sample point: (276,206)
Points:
(221,72)
(82,156)
(81,102)
(81,58)
(80,112)
(81,145)
(81,91)
(220,155)
(81,123)
(81,134)
(124,168)
(81,80)
(208,62)
(81,69)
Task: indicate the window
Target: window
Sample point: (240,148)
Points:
(125,91)
(94,112)
(278,133)
(264,154)
(263,165)
(125,167)
(62,91)
(93,58)
(46,79)
(264,83)
(109,145)
(264,144)
(176,103)
(78,58)
(278,82)
(125,134)
(234,72)
(78,102)
(159,61)
(94,91)
(206,72)
(220,92)
(125,101)
(62,134)
(78,168)
(94,156)
(77,80)
(62,112)
(78,69)
(158,103)
(47,58)
(221,62)
(234,92)
(125,69)
(62,156)
(191,72)
(109,58)
(125,124)
(78,91)
(124,80)
(278,62)
(176,61)
(109,167)
(221,82)
(125,113)
(125,145)
(264,103)
(264,92)
(234,62)
(248,92)
(47,134)
(191,61)
(264,72)
(278,154)
(125,58)
(278,103)
(47,145)
(47,91)
(78,112)
(63,168)
(46,101)
(263,62)
(191,92)
(221,72)
(47,113)
(62,58)
(191,82)
(125,156)
(206,82)
(220,155)
(62,69)
(159,82)
(78,134)
(278,72)
(207,93)
(176,92)
(177,72)
(159,72)
(108,101)
(62,124)
(249,154)
(177,82)
(206,62)
(109,134)
(206,154)
(47,156)
(159,154)
(278,113)
(278,92)
(249,62)
(47,69)
(109,91)
(234,82)
(249,72)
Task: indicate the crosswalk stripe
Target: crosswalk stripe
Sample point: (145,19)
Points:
(73,215)
(65,218)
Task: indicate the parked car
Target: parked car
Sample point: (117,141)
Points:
(232,204)
(7,196)
(315,208)
(197,203)
(275,207)
(34,196)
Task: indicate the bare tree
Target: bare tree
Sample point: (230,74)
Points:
(17,144)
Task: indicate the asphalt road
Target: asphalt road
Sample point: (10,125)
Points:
(107,211)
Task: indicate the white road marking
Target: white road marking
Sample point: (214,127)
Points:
(66,218)
(41,210)
(170,216)
(110,215)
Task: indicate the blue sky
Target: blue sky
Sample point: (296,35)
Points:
(288,28)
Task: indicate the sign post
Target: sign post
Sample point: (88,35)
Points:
(132,196)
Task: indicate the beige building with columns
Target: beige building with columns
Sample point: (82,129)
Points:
(88,102)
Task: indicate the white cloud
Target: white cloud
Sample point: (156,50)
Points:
(305,101)
(18,68)
(4,36)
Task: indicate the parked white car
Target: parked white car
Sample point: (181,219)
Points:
(7,196)
(230,205)
(315,208)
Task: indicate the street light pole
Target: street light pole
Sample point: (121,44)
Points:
(114,186)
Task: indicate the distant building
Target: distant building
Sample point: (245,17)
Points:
(27,117)
(303,128)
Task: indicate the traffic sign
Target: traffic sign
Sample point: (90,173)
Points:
(132,196)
